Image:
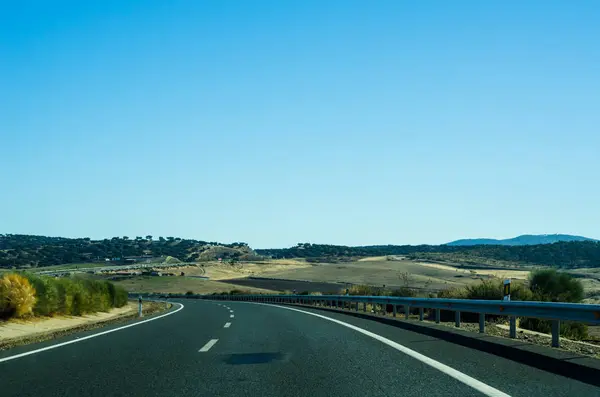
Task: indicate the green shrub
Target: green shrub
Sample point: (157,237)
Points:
(47,295)
(66,292)
(568,329)
(118,296)
(75,296)
(404,292)
(361,290)
(81,299)
(492,290)
(99,297)
(238,292)
(553,286)
(452,293)
(485,290)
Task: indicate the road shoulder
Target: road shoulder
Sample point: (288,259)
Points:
(23,332)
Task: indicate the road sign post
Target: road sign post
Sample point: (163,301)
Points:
(512,320)
(140,306)
(506,290)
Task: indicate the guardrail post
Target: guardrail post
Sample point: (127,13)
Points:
(356,307)
(365,307)
(481,323)
(421,314)
(513,327)
(555,333)
(457,319)
(406,311)
(394,310)
(437,316)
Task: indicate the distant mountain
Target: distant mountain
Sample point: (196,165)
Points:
(526,239)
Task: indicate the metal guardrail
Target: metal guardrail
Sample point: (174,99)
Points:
(556,312)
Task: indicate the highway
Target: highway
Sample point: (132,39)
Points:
(210,348)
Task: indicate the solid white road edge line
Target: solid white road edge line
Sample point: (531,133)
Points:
(464,378)
(91,336)
(227,325)
(208,345)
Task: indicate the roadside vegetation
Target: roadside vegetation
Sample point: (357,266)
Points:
(23,295)
(543,285)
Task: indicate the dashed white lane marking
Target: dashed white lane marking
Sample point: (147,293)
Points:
(227,325)
(231,311)
(461,377)
(91,336)
(231,316)
(208,345)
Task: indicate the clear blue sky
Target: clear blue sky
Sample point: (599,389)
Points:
(278,122)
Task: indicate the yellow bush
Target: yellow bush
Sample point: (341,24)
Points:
(17,296)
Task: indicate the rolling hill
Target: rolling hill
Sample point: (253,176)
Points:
(37,251)
(525,239)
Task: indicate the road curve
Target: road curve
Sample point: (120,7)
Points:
(244,349)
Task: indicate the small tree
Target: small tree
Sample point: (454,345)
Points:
(406,278)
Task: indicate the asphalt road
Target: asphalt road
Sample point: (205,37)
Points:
(268,351)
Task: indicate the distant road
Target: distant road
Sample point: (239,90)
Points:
(283,285)
(243,349)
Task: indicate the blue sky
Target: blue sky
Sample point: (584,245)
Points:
(278,122)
